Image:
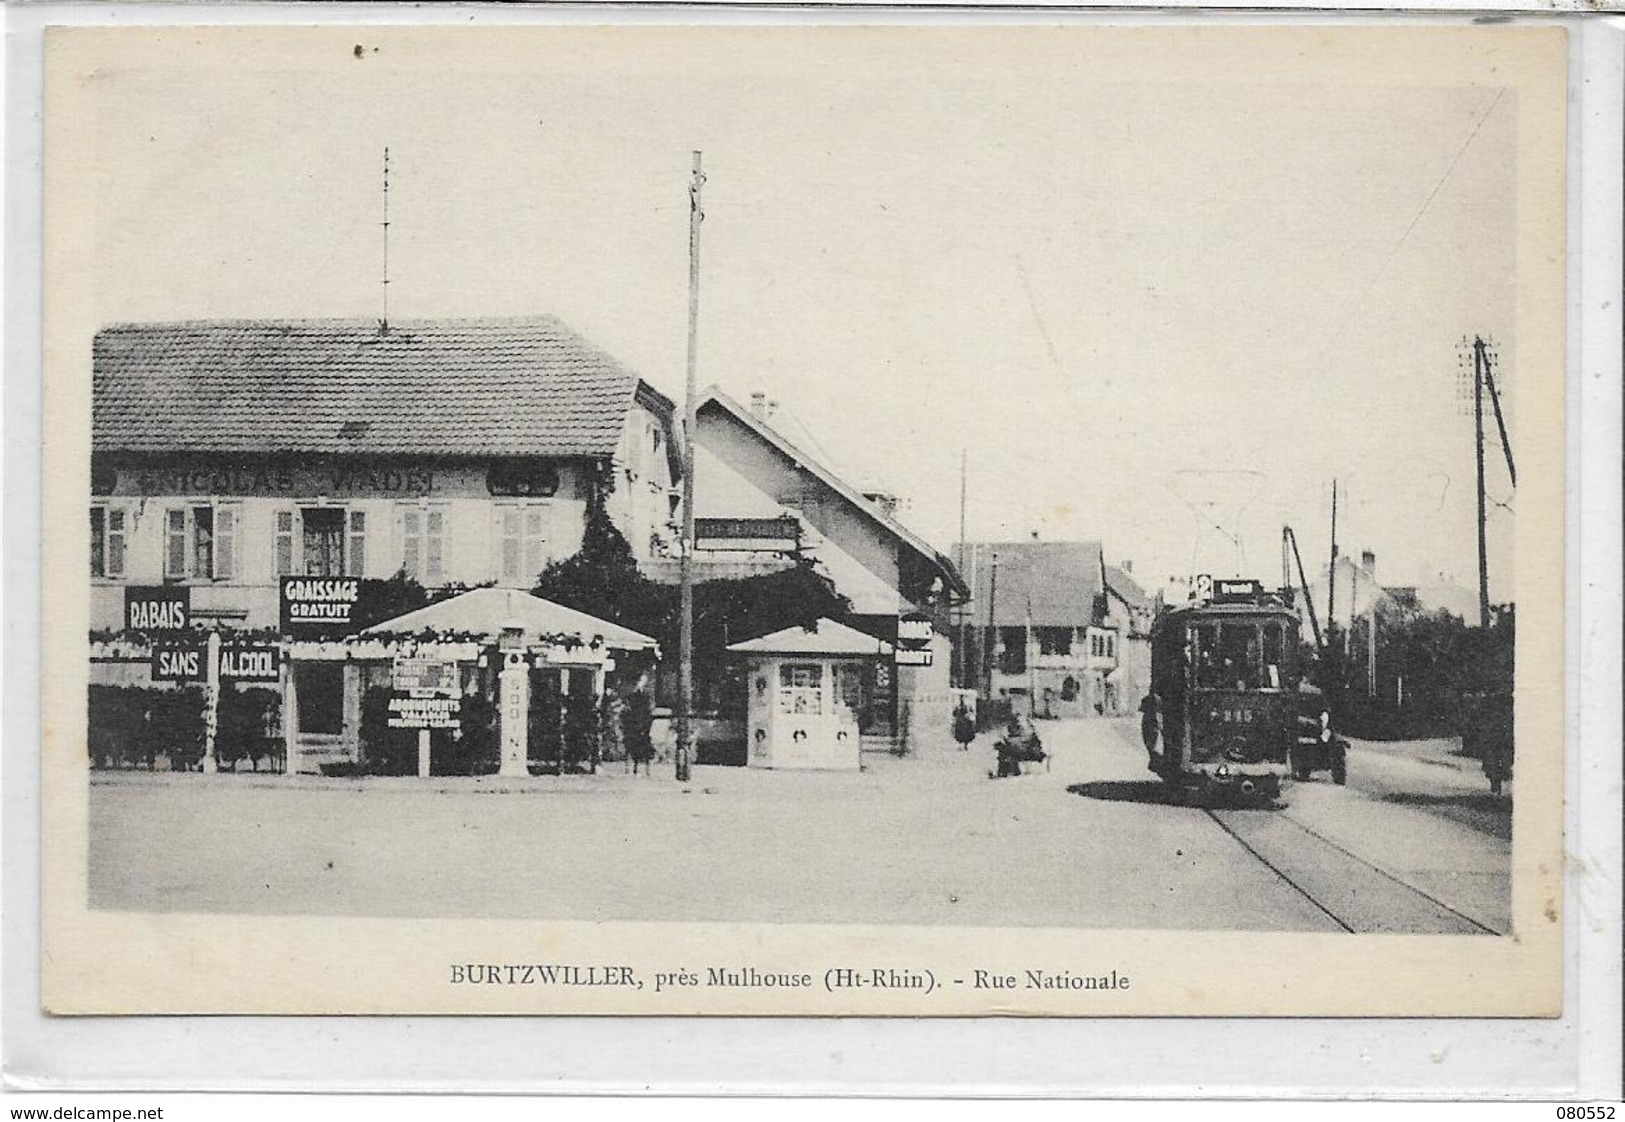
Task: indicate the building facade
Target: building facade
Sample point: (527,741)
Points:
(764,502)
(227,456)
(257,479)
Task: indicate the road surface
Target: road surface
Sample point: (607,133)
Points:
(930,839)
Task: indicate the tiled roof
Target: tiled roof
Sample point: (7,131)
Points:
(715,400)
(1060,580)
(472,387)
(1120,581)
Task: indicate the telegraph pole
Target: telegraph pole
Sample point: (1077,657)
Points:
(964,651)
(991,646)
(1331,575)
(383,324)
(1478,444)
(685,640)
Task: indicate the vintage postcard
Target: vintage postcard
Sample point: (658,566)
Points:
(886,520)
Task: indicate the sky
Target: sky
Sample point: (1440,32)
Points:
(1155,292)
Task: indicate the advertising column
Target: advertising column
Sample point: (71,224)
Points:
(514,686)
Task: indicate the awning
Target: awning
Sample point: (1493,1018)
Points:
(486,612)
(826,638)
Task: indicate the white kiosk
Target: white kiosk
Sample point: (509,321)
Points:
(804,688)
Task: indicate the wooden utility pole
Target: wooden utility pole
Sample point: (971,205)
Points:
(1478,445)
(991,646)
(685,639)
(1331,576)
(964,651)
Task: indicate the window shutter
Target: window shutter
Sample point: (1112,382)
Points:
(115,543)
(175,543)
(355,561)
(225,543)
(98,541)
(434,567)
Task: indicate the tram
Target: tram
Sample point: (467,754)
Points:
(1222,716)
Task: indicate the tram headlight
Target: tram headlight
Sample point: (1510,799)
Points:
(1224,770)
(1325,727)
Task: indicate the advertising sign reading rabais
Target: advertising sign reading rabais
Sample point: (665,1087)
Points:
(319,604)
(160,608)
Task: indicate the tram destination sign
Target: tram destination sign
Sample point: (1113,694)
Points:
(318,604)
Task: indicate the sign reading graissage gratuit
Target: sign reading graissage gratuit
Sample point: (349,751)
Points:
(318,604)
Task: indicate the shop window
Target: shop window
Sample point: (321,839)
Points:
(201,542)
(524,542)
(423,534)
(801,688)
(107,542)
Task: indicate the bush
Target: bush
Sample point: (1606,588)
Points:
(250,727)
(130,725)
(476,750)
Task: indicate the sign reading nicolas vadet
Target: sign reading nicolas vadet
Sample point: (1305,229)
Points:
(157,608)
(319,603)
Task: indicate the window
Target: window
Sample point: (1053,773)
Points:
(1238,664)
(423,533)
(1013,656)
(284,543)
(107,529)
(524,542)
(200,541)
(323,540)
(1111,646)
(801,687)
(1054,640)
(1273,651)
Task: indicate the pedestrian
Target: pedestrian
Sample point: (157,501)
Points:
(1150,724)
(964,726)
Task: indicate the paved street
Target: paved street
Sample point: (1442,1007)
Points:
(1090,842)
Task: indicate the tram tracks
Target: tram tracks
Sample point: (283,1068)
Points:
(1352,892)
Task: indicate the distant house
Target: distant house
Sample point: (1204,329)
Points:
(1133,612)
(1044,630)
(762,501)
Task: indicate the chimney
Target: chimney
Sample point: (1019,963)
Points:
(772,409)
(1368,562)
(758,405)
(1128,566)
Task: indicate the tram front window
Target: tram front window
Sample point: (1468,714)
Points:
(1238,665)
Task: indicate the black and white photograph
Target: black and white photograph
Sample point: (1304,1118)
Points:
(806,520)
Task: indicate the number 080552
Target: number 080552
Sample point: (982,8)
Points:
(1585,1112)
